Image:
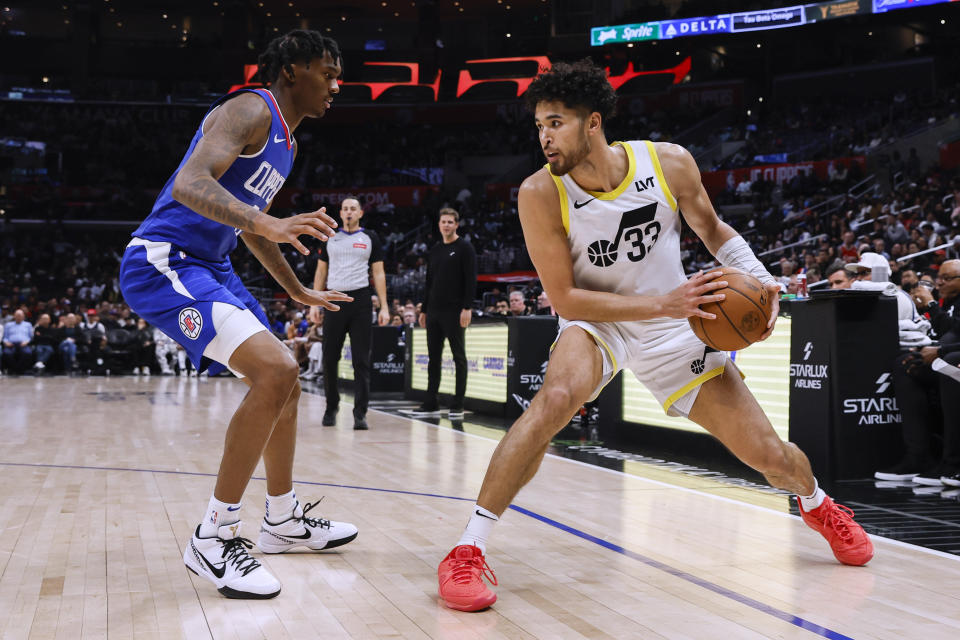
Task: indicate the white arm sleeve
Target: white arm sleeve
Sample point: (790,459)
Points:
(735,252)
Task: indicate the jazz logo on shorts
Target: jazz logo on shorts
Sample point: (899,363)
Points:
(191,322)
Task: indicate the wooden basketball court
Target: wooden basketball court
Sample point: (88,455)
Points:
(103,479)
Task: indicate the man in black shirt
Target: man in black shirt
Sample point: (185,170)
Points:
(451,286)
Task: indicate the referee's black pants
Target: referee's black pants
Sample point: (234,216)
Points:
(445,324)
(354,318)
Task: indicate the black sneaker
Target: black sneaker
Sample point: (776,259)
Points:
(360,424)
(932,477)
(329,418)
(456,410)
(904,470)
(428,408)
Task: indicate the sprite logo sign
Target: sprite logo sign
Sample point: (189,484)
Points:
(625,33)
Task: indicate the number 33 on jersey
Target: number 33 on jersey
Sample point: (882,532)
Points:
(625,241)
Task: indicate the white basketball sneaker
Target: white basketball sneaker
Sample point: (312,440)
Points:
(224,561)
(299,530)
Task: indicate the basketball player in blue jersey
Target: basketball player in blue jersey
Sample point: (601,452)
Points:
(602,225)
(176,274)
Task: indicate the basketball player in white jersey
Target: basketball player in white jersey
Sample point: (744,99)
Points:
(602,225)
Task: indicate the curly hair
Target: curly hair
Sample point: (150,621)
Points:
(299,45)
(581,85)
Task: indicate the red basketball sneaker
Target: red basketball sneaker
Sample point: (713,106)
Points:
(461,579)
(849,542)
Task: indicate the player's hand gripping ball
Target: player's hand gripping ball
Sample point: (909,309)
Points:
(741,317)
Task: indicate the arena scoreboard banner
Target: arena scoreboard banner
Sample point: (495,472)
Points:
(747,21)
(486,347)
(766,367)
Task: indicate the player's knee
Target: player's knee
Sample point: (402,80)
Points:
(278,374)
(557,402)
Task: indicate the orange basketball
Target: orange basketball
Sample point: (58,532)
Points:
(741,318)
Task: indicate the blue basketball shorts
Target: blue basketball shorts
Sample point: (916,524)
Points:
(202,305)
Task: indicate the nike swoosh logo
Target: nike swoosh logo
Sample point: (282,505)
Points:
(278,139)
(482,515)
(304,536)
(213,569)
(233,508)
(577,205)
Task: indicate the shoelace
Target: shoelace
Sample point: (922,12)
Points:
(235,552)
(839,519)
(464,570)
(313,522)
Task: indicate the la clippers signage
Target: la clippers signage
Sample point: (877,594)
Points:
(717,182)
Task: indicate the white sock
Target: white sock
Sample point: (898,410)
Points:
(280,508)
(815,499)
(480,525)
(218,514)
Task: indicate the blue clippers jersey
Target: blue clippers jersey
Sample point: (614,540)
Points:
(253,179)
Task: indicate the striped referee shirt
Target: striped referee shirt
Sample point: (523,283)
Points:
(349,255)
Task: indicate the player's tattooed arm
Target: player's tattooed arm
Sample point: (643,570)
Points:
(239,123)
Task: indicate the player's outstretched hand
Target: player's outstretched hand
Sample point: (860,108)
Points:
(316,224)
(685,300)
(323,299)
(773,290)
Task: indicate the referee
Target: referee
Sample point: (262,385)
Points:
(451,286)
(343,265)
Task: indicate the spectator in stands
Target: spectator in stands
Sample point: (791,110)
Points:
(143,348)
(908,280)
(518,305)
(839,278)
(953,251)
(786,273)
(929,234)
(409,318)
(396,320)
(880,247)
(45,340)
(69,336)
(93,340)
(17,350)
(544,307)
(502,307)
(164,348)
(914,380)
(314,344)
(848,251)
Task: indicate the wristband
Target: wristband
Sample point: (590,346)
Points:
(735,252)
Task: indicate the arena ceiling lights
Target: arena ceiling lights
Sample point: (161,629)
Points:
(746,21)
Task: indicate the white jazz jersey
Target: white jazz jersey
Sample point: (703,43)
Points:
(625,241)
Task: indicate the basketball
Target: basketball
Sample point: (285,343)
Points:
(741,318)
